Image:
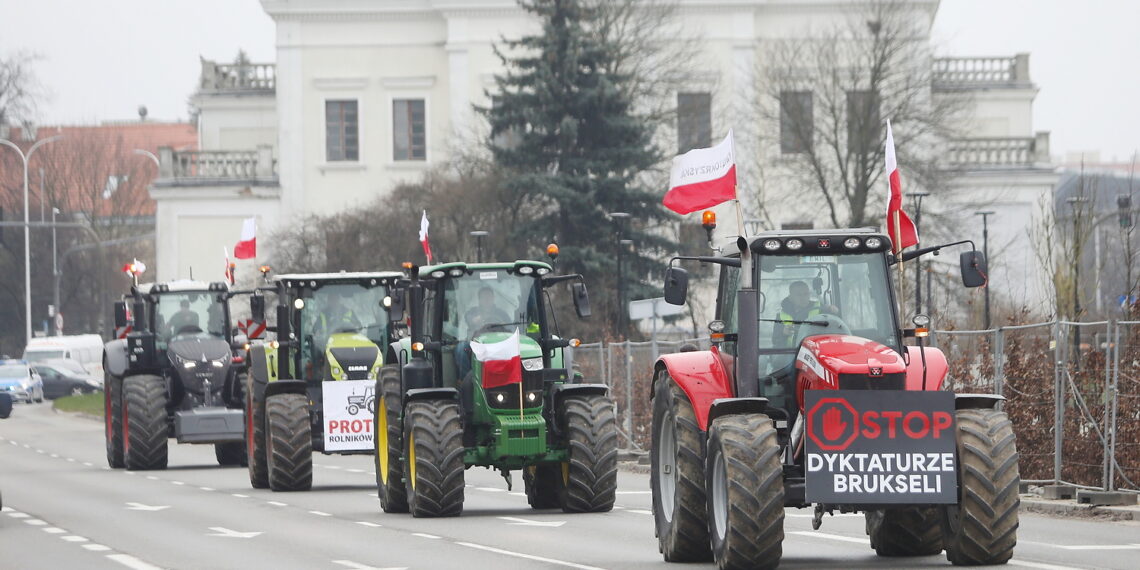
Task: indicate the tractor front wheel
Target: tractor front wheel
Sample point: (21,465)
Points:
(230,453)
(543,484)
(909,531)
(258,460)
(389,440)
(290,443)
(677,478)
(590,480)
(745,488)
(433,465)
(145,434)
(113,420)
(982,527)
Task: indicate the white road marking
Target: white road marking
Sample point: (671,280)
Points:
(132,562)
(206,488)
(40,451)
(368,524)
(526,522)
(527,556)
(96,547)
(16,515)
(806,516)
(355,470)
(320,513)
(517,494)
(1040,566)
(177,483)
(54,530)
(640,511)
(239,495)
(359,566)
(88,464)
(71,460)
(36,522)
(492,489)
(55,456)
(73,538)
(142,507)
(425,535)
(1085,546)
(278,503)
(227,533)
(831,536)
(152,477)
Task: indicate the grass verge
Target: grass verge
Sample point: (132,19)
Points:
(85,404)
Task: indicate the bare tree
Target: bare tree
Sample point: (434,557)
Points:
(19,89)
(824,101)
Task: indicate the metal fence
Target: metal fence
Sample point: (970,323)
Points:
(1072,392)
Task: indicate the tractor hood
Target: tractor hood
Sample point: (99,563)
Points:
(839,355)
(200,362)
(199,348)
(352,356)
(528,347)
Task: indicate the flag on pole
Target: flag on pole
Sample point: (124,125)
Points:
(246,247)
(899,227)
(502,362)
(702,178)
(424,236)
(229,270)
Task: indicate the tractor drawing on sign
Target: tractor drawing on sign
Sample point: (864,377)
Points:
(365,401)
(447,404)
(329,330)
(809,397)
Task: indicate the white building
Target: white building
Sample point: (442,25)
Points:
(365,94)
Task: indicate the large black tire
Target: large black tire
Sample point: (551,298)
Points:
(289,445)
(909,531)
(591,436)
(388,437)
(433,469)
(258,458)
(113,420)
(677,478)
(745,489)
(229,454)
(144,419)
(543,484)
(982,527)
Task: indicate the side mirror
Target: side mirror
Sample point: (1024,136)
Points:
(396,306)
(974,272)
(5,405)
(676,285)
(581,300)
(120,314)
(257,308)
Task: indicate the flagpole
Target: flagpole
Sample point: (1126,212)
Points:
(898,256)
(739,214)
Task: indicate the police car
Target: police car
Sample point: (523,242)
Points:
(21,381)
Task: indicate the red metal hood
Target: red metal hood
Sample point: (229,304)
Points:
(846,354)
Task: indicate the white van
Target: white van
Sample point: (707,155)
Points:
(86,349)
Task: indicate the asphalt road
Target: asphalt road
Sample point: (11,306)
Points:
(63,508)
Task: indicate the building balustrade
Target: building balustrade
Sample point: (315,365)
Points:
(225,77)
(221,165)
(1000,152)
(951,72)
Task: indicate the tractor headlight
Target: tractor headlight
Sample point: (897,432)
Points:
(218,364)
(189,364)
(532,363)
(771,244)
(851,243)
(531,397)
(795,244)
(874,242)
(336,371)
(500,398)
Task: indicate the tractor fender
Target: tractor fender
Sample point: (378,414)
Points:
(977,401)
(560,391)
(284,387)
(701,375)
(258,375)
(936,368)
(115,360)
(733,406)
(431,394)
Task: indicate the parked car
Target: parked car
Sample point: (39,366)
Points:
(21,381)
(66,378)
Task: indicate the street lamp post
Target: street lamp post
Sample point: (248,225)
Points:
(918,196)
(27,238)
(986,252)
(621,218)
(479,235)
(54,271)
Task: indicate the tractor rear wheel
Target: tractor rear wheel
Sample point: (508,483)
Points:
(433,466)
(677,478)
(144,419)
(590,483)
(745,487)
(290,442)
(982,527)
(389,440)
(909,531)
(230,453)
(543,484)
(258,459)
(113,420)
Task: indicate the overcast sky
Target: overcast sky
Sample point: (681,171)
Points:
(102,59)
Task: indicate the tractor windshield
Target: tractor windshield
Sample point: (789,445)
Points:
(189,313)
(490,300)
(810,295)
(346,307)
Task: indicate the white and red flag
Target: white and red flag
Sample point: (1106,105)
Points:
(424,236)
(702,178)
(502,362)
(899,227)
(229,271)
(246,247)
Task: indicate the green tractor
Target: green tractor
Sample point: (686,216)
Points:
(442,408)
(312,389)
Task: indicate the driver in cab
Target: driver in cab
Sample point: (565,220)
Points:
(336,316)
(797,306)
(184,320)
(485,313)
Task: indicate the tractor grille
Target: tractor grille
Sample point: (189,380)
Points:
(507,397)
(896,381)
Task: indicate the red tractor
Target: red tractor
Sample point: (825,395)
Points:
(810,397)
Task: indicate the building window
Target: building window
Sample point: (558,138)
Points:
(863,121)
(797,127)
(342,131)
(694,121)
(409,129)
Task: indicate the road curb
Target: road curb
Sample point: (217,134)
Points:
(1070,508)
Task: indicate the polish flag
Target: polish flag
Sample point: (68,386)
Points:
(702,178)
(246,248)
(502,362)
(424,236)
(229,271)
(899,227)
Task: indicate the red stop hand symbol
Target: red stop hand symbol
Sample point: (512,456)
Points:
(833,424)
